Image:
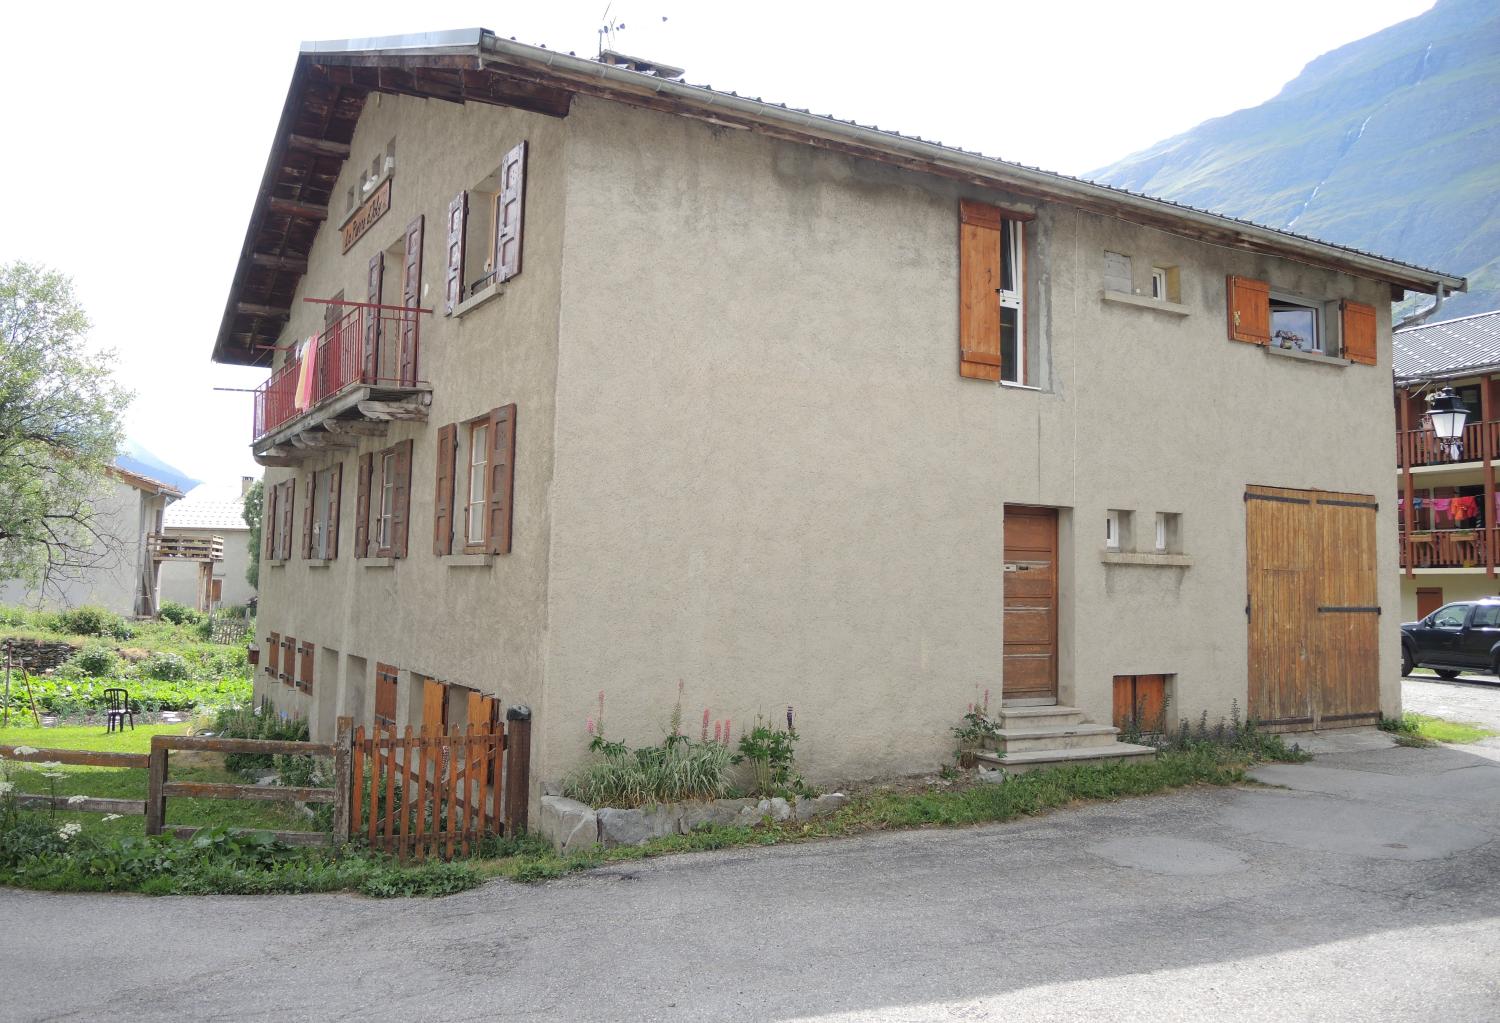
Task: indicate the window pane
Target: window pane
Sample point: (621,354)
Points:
(1295,327)
(1487,615)
(1007,256)
(1010,355)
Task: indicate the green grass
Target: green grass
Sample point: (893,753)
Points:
(1442,730)
(130,782)
(532,859)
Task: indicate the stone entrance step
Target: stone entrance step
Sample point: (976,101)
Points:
(1052,736)
(1070,736)
(1039,717)
(1031,760)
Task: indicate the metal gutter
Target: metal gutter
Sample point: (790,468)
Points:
(1060,186)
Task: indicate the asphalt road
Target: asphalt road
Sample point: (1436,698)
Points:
(1366,889)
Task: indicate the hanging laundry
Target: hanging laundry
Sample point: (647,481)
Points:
(1465,508)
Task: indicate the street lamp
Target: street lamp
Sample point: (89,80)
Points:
(1445,418)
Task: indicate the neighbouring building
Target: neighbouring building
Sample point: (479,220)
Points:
(211,517)
(1447,491)
(119,568)
(588,381)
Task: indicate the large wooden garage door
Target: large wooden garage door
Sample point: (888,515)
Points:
(1313,608)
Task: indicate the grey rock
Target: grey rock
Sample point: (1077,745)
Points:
(570,825)
(995,777)
(717,813)
(637,827)
(820,806)
(776,808)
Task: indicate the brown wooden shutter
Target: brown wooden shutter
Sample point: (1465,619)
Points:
(373,289)
(385,695)
(273,655)
(499,481)
(309,510)
(978,290)
(411,297)
(268,519)
(434,705)
(289,660)
(458,222)
(442,514)
(362,505)
(510,214)
(401,498)
(305,668)
(288,499)
(335,488)
(1359,333)
(1249,310)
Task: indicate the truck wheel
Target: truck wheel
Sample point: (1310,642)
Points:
(1447,672)
(1406,662)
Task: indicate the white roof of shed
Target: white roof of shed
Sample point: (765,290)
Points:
(207,506)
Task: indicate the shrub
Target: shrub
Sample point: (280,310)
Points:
(92,621)
(179,614)
(95,660)
(247,723)
(167,666)
(770,754)
(13,617)
(675,770)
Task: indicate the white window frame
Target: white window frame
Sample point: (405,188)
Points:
(386,511)
(1112,530)
(1012,255)
(322,483)
(1320,325)
(1159,283)
(479,464)
(1161,532)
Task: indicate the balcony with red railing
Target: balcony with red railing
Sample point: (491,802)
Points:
(1449,548)
(1419,448)
(369,352)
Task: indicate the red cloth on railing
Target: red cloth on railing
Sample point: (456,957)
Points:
(1465,508)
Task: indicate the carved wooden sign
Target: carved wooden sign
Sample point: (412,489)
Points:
(371,210)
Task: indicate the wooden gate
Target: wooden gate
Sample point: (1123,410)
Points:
(1313,608)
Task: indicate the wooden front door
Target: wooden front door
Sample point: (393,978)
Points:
(1030,627)
(1314,614)
(1429,599)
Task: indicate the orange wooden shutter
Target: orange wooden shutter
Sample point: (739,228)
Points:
(458,221)
(512,207)
(362,505)
(434,704)
(1359,333)
(308,511)
(385,696)
(335,488)
(411,297)
(978,295)
(401,499)
(305,667)
(374,287)
(442,507)
(499,482)
(1249,310)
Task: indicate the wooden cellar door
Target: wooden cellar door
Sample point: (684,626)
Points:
(1030,626)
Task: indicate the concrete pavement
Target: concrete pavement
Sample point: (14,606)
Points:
(1364,889)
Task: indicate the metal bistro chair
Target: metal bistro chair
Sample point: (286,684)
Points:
(117,709)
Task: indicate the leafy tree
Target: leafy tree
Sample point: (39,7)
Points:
(60,426)
(253,501)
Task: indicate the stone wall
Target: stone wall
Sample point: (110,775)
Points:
(39,655)
(572,826)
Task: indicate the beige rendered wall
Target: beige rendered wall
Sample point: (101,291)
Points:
(479,627)
(772,484)
(178,580)
(1455,586)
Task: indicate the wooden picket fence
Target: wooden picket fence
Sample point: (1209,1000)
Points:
(436,793)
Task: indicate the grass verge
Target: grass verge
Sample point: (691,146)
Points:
(1425,730)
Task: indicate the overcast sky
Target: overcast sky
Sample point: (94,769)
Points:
(137,133)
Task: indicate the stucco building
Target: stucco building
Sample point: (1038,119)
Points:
(636,382)
(1447,497)
(212,517)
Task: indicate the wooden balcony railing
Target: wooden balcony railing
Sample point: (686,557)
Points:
(185,548)
(1421,447)
(1449,548)
(372,345)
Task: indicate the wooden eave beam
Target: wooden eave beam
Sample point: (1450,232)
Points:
(287,263)
(298,210)
(268,311)
(319,147)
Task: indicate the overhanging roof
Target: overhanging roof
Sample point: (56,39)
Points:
(1447,349)
(332,79)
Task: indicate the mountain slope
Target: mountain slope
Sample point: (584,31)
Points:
(1391,144)
(137,459)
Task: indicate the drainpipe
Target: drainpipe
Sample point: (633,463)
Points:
(1425,314)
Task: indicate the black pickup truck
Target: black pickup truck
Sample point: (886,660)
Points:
(1462,636)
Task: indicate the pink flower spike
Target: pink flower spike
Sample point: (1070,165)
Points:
(726,731)
(705,725)
(986,701)
(591,726)
(718,728)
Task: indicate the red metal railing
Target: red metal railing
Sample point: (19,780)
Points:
(1421,447)
(369,344)
(1449,548)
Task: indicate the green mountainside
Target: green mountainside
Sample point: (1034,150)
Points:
(1389,144)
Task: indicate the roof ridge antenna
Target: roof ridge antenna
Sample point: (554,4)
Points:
(609,54)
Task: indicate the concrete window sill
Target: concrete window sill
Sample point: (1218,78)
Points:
(319,562)
(380,562)
(1150,558)
(275,563)
(1012,386)
(1292,353)
(479,298)
(468,560)
(1142,302)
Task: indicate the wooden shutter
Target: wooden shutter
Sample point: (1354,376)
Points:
(268,519)
(309,510)
(373,291)
(288,499)
(289,661)
(411,298)
(362,505)
(335,488)
(442,511)
(1359,333)
(512,207)
(273,655)
(1249,310)
(401,498)
(499,480)
(434,705)
(385,696)
(305,668)
(458,222)
(978,290)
